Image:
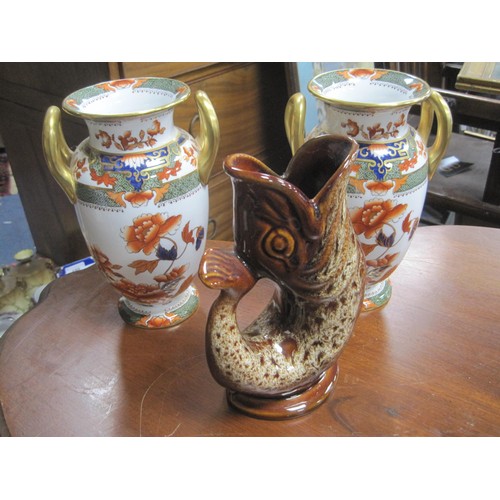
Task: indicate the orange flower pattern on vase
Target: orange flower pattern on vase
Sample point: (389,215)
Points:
(80,167)
(379,187)
(165,174)
(146,235)
(375,131)
(374,214)
(128,142)
(141,292)
(105,179)
(367,73)
(190,155)
(410,225)
(158,321)
(152,228)
(146,231)
(120,84)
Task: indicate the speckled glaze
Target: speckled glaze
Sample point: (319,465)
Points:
(296,231)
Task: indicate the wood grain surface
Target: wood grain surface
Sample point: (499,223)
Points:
(425,365)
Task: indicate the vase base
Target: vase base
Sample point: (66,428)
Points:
(156,317)
(283,408)
(377,296)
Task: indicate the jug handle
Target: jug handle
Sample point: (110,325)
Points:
(435,104)
(295,118)
(209,136)
(57,153)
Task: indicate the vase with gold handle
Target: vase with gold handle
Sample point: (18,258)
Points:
(139,187)
(389,177)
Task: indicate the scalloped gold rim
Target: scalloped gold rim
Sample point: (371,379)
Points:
(103,116)
(370,105)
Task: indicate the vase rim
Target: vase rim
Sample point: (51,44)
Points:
(417,90)
(144,96)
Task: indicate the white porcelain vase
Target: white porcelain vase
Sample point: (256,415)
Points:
(139,187)
(389,177)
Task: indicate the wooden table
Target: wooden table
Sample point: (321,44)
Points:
(427,364)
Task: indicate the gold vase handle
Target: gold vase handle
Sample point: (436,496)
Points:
(295,119)
(57,153)
(435,105)
(209,136)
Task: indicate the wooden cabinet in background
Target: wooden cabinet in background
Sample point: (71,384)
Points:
(249,99)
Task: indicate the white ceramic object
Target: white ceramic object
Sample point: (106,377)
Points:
(389,178)
(139,185)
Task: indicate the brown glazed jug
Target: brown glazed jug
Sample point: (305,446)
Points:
(294,230)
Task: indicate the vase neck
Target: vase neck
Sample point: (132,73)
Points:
(130,135)
(381,125)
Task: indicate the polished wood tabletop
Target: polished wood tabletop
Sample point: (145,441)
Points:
(427,364)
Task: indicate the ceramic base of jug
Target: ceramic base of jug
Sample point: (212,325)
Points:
(295,405)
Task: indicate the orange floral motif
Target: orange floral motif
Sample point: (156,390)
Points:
(127,141)
(104,264)
(368,249)
(417,86)
(158,321)
(186,284)
(190,154)
(398,183)
(408,163)
(421,148)
(117,197)
(352,127)
(72,103)
(384,261)
(135,160)
(160,193)
(376,131)
(401,121)
(379,187)
(355,167)
(80,168)
(410,225)
(372,74)
(165,174)
(120,84)
(147,230)
(175,274)
(157,129)
(148,294)
(137,199)
(106,141)
(374,214)
(378,150)
(105,179)
(187,235)
(141,266)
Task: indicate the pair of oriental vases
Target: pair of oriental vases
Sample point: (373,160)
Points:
(328,232)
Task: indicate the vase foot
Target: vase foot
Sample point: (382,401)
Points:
(286,407)
(154,317)
(377,296)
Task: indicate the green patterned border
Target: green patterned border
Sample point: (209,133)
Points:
(178,187)
(175,90)
(418,93)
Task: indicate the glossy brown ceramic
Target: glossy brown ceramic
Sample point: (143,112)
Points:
(294,230)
